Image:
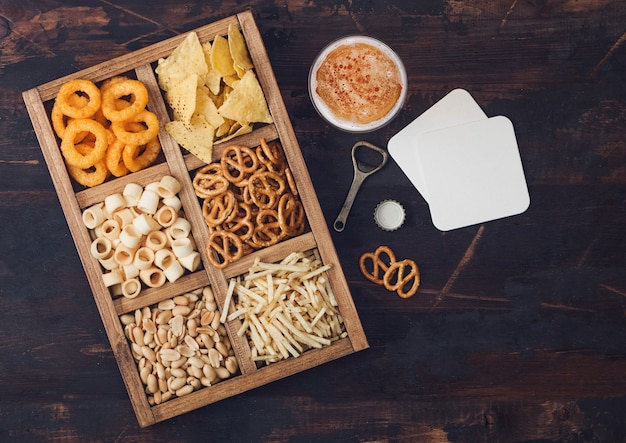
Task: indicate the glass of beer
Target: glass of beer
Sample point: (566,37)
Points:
(358,83)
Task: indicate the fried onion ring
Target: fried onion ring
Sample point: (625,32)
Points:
(72,155)
(112,96)
(78,87)
(137,134)
(136,158)
(89,177)
(114,160)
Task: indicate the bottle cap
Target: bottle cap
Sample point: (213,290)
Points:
(389,215)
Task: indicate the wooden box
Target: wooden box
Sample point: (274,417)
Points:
(178,163)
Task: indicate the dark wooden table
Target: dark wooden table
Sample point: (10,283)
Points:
(518,332)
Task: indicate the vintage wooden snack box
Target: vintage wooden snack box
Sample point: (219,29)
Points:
(177,163)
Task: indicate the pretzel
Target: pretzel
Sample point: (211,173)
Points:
(399,275)
(218,208)
(378,264)
(271,156)
(208,181)
(239,222)
(238,162)
(249,194)
(265,188)
(290,215)
(224,247)
(267,231)
(290,181)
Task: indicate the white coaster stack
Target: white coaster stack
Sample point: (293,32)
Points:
(466,166)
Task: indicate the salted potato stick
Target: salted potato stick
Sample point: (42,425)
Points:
(229,295)
(287,307)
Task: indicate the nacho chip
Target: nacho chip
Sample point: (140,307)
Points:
(205,106)
(235,131)
(213,78)
(238,50)
(182,98)
(221,59)
(246,103)
(198,139)
(187,58)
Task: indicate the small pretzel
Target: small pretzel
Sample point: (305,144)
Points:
(290,215)
(290,181)
(271,156)
(267,231)
(224,247)
(218,208)
(378,264)
(265,187)
(238,162)
(400,275)
(209,181)
(239,222)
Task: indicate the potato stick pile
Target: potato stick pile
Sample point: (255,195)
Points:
(286,308)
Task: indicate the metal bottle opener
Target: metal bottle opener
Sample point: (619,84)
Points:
(361,172)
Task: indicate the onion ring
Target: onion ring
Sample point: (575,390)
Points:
(60,120)
(113,93)
(136,158)
(131,134)
(113,159)
(89,177)
(78,86)
(72,155)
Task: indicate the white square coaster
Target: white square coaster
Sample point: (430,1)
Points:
(472,173)
(456,108)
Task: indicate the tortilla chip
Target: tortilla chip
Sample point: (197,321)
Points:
(182,98)
(238,50)
(221,59)
(198,139)
(205,106)
(213,78)
(246,103)
(187,58)
(235,131)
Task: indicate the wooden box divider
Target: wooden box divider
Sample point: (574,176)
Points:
(181,165)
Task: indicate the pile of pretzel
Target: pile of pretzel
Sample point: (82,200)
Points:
(401,276)
(249,201)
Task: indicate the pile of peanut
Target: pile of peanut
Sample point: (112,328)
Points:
(180,345)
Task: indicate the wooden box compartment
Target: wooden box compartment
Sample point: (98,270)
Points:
(179,164)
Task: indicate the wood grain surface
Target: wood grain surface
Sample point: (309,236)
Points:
(518,331)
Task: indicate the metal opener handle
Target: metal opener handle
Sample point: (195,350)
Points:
(361,172)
